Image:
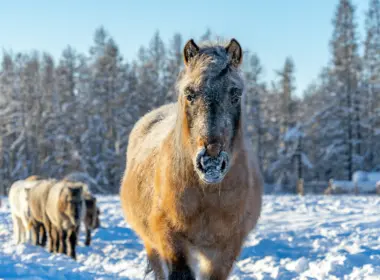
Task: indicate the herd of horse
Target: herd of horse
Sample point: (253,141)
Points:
(191,190)
(50,212)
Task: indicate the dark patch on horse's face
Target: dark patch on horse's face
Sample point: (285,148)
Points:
(213,116)
(212,106)
(213,112)
(74,202)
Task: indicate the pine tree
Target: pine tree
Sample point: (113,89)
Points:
(346,63)
(287,85)
(284,165)
(371,82)
(157,61)
(172,67)
(107,95)
(7,114)
(206,36)
(255,90)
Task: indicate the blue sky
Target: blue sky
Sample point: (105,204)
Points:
(273,29)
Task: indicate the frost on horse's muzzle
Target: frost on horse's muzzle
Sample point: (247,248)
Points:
(211,170)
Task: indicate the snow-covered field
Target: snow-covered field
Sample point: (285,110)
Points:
(312,237)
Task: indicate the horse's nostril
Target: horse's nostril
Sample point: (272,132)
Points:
(224,165)
(213,150)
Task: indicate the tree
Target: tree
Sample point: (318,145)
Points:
(7,111)
(108,83)
(172,67)
(287,85)
(371,81)
(255,90)
(284,166)
(346,64)
(206,36)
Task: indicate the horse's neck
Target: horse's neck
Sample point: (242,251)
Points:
(180,157)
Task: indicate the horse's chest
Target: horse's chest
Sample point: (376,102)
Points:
(212,226)
(191,202)
(213,219)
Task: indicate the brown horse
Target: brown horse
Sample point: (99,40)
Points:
(192,189)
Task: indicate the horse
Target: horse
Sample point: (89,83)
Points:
(192,189)
(19,204)
(65,210)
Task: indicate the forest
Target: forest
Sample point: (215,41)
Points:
(74,114)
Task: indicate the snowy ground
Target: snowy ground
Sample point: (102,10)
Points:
(312,237)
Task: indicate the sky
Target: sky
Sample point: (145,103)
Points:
(274,29)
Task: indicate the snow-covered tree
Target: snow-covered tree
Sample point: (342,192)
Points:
(255,89)
(370,87)
(346,69)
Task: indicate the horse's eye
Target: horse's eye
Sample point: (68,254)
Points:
(235,100)
(235,96)
(190,95)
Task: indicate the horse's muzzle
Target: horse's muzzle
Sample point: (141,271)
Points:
(211,169)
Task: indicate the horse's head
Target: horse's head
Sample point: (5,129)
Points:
(210,89)
(71,201)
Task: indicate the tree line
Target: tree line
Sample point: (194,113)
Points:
(75,114)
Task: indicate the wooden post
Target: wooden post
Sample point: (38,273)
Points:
(356,189)
(300,187)
(328,191)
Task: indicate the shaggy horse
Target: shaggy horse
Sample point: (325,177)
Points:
(65,209)
(18,200)
(192,189)
(37,200)
(91,218)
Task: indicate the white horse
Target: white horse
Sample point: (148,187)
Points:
(18,200)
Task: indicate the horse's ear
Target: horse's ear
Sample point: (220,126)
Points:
(189,51)
(235,52)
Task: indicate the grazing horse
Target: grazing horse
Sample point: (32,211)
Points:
(191,189)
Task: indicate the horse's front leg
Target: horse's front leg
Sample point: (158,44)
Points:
(56,242)
(43,235)
(71,242)
(172,250)
(217,263)
(35,233)
(62,239)
(50,232)
(156,264)
(88,236)
(179,268)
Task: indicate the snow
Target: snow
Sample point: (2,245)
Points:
(366,181)
(306,161)
(343,185)
(360,176)
(311,237)
(373,176)
(367,186)
(293,134)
